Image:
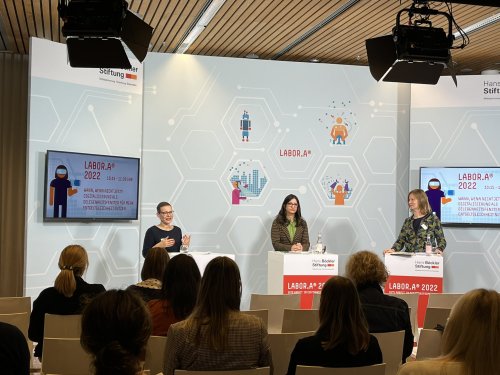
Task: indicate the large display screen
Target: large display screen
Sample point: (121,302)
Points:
(90,187)
(463,195)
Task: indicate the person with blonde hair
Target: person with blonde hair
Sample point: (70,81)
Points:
(471,339)
(342,339)
(68,296)
(423,223)
(384,313)
(116,327)
(217,336)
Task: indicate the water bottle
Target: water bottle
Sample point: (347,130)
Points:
(428,245)
(319,245)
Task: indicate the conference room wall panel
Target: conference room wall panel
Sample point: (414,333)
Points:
(458,127)
(193,110)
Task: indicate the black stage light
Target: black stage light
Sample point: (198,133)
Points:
(413,53)
(95,30)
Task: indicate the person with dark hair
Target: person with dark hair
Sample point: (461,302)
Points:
(180,284)
(420,225)
(152,271)
(471,339)
(342,339)
(14,351)
(68,296)
(217,336)
(165,235)
(116,327)
(383,312)
(289,230)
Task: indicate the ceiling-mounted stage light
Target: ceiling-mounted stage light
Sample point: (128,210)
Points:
(415,53)
(95,30)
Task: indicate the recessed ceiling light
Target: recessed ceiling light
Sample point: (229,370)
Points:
(314,60)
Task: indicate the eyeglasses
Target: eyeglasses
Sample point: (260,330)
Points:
(292,204)
(166,213)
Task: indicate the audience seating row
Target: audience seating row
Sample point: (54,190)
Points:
(286,321)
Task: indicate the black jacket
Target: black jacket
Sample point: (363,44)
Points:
(385,313)
(50,301)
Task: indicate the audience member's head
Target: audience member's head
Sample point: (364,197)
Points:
(180,284)
(154,264)
(73,261)
(115,330)
(219,295)
(366,268)
(341,318)
(472,333)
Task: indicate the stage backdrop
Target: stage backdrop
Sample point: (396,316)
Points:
(89,111)
(459,127)
(225,140)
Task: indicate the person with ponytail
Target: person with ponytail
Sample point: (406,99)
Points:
(115,330)
(68,296)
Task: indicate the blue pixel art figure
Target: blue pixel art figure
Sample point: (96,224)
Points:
(245,126)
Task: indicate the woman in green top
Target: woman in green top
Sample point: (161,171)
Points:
(289,229)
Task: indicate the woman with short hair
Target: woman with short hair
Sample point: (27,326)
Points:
(383,312)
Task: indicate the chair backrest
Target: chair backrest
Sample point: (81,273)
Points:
(435,316)
(443,300)
(62,326)
(9,305)
(429,344)
(155,354)
(263,314)
(365,370)
(412,300)
(21,320)
(391,344)
(316,299)
(65,356)
(282,345)
(253,371)
(275,303)
(296,320)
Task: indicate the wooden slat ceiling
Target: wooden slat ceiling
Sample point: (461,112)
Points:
(271,29)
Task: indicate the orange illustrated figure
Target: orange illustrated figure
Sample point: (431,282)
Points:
(339,131)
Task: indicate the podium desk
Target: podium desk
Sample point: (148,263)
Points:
(203,257)
(415,273)
(299,273)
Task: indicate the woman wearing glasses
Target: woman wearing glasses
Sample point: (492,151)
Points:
(165,234)
(289,229)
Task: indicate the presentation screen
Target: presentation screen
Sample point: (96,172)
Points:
(90,187)
(463,195)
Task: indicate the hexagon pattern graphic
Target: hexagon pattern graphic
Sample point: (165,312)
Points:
(229,122)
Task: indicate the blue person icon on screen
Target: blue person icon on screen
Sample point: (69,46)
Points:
(60,189)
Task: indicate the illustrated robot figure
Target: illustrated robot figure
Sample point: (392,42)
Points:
(245,126)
